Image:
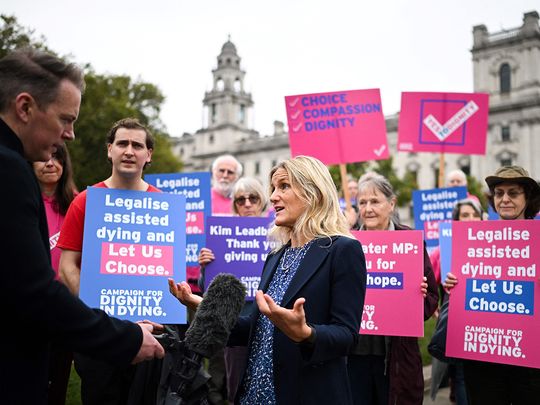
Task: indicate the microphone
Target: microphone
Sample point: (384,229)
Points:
(208,333)
(216,315)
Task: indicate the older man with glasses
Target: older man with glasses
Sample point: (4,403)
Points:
(226,170)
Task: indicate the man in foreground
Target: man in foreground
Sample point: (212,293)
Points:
(40,97)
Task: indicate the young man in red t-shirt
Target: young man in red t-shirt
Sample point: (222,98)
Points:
(130,145)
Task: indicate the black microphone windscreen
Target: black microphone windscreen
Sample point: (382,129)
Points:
(216,315)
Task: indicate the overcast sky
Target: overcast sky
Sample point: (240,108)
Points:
(287,46)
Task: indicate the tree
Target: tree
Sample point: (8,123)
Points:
(15,36)
(107,99)
(475,187)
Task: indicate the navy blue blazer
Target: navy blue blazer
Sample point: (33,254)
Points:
(332,279)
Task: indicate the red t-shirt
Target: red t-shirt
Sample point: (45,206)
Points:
(71,235)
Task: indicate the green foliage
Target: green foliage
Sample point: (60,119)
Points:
(476,188)
(403,187)
(15,36)
(73,394)
(107,99)
(423,342)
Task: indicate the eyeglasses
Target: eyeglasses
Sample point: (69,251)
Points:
(226,171)
(241,201)
(513,194)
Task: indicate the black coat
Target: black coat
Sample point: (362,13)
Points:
(36,308)
(405,361)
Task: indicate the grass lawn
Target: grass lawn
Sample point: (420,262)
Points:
(429,327)
(73,396)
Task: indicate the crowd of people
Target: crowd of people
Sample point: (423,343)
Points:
(297,343)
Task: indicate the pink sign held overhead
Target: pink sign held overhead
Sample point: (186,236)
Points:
(394,305)
(337,127)
(494,309)
(443,123)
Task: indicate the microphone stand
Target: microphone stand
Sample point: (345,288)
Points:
(186,380)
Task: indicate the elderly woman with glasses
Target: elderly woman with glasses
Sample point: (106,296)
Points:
(311,296)
(514,195)
(388,369)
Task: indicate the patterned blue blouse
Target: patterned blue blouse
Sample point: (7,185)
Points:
(259,379)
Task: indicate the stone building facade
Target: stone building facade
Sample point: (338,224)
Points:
(506,65)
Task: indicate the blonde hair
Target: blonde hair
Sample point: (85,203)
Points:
(252,186)
(311,182)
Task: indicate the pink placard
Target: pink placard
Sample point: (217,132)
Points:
(443,122)
(394,305)
(337,127)
(136,259)
(493,312)
(194,222)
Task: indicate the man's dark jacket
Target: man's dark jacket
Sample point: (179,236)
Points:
(36,308)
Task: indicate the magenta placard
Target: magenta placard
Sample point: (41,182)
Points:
(337,127)
(443,122)
(394,305)
(136,259)
(493,312)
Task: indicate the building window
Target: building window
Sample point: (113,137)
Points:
(504,77)
(257,168)
(466,169)
(220,85)
(274,163)
(181,151)
(211,139)
(506,162)
(242,114)
(213,113)
(505,134)
(237,85)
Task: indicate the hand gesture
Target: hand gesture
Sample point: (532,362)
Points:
(292,322)
(182,291)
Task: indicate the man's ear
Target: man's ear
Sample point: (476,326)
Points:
(25,106)
(149,160)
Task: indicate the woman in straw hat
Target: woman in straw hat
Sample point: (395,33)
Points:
(514,195)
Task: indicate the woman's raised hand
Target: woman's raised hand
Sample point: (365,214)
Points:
(182,291)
